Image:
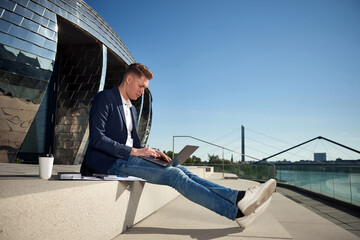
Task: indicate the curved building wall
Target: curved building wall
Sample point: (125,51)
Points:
(54,57)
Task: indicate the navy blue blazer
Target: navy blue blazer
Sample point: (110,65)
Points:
(108,133)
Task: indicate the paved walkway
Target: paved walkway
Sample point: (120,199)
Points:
(284,219)
(345,219)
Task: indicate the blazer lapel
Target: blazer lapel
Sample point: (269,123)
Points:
(119,104)
(133,111)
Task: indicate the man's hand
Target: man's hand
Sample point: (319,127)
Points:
(162,156)
(143,152)
(149,152)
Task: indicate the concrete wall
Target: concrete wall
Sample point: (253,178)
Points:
(41,209)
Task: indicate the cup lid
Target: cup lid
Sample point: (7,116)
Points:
(46,155)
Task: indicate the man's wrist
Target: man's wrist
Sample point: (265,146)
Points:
(133,152)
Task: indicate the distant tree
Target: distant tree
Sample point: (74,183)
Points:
(214,159)
(193,160)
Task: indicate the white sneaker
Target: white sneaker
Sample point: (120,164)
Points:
(256,196)
(247,220)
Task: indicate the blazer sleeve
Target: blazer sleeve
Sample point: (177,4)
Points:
(99,117)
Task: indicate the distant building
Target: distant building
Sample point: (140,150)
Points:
(54,57)
(320,157)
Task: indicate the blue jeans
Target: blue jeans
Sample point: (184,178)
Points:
(217,198)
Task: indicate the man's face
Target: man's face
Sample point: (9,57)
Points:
(136,86)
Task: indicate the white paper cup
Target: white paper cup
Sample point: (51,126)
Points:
(45,166)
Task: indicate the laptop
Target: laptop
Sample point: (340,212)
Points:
(184,154)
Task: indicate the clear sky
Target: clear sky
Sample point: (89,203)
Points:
(288,71)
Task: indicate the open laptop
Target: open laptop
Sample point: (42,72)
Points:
(179,159)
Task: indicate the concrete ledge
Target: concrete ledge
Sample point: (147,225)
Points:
(32,208)
(201,171)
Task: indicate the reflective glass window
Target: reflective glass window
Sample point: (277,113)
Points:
(42,52)
(49,15)
(49,5)
(46,32)
(36,39)
(25,57)
(71,4)
(76,20)
(51,45)
(15,42)
(42,2)
(12,17)
(71,18)
(25,60)
(28,24)
(57,2)
(10,66)
(24,3)
(30,94)
(52,25)
(41,20)
(55,37)
(42,85)
(24,11)
(9,89)
(4,26)
(19,32)
(61,12)
(8,5)
(28,82)
(35,72)
(36,8)
(46,64)
(65,7)
(21,44)
(9,52)
(11,78)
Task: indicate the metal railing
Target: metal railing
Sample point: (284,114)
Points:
(338,182)
(215,145)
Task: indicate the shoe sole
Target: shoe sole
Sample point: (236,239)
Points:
(263,198)
(251,218)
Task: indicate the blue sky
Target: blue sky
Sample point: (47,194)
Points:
(288,71)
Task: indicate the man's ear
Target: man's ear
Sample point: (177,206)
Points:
(128,78)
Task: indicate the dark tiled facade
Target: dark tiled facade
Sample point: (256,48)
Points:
(54,57)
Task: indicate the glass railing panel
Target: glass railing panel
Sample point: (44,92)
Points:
(315,178)
(355,185)
(327,181)
(342,184)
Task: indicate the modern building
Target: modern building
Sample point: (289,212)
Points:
(55,55)
(320,157)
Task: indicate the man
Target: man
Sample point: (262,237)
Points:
(114,148)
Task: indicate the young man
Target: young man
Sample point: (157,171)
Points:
(114,148)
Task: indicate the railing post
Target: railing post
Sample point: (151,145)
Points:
(275,172)
(310,178)
(333,181)
(173,147)
(223,168)
(350,185)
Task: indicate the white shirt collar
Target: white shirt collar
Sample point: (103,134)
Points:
(126,103)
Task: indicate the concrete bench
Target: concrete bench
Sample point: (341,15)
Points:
(32,208)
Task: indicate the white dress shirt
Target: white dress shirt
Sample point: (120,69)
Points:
(128,119)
